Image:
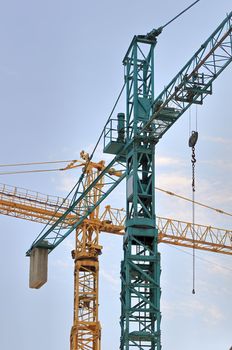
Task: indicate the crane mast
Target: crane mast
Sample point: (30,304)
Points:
(147,120)
(140,268)
(86,329)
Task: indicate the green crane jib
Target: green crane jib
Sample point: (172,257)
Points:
(133,139)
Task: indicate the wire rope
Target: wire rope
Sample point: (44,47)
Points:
(173,19)
(190,200)
(199,257)
(28,171)
(38,163)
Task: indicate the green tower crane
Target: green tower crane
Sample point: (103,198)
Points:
(132,138)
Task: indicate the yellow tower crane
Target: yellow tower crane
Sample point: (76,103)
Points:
(33,206)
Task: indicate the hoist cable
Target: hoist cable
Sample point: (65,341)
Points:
(190,119)
(192,143)
(196,118)
(193,160)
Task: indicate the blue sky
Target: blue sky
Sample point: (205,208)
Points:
(61,72)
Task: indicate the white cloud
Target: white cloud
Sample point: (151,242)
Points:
(215,269)
(208,192)
(186,308)
(213,315)
(222,163)
(173,182)
(210,314)
(167,161)
(220,140)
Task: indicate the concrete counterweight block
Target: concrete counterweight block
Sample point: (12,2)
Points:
(38,267)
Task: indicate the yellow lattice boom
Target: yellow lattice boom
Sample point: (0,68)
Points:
(34,206)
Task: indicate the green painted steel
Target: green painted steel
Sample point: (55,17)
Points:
(147,120)
(140,268)
(194,81)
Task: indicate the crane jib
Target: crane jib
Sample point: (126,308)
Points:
(190,86)
(194,82)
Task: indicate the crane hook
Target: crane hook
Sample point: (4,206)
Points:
(193,139)
(192,143)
